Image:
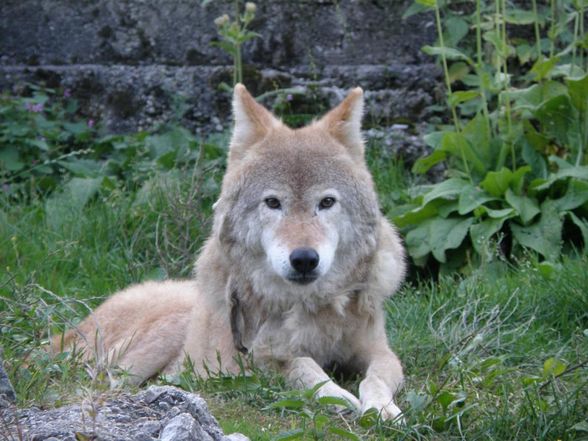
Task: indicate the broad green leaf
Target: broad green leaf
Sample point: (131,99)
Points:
(75,128)
(532,97)
(517,182)
(447,208)
(553,366)
(458,70)
(583,226)
(417,401)
(433,139)
(288,404)
(471,198)
(447,52)
(456,28)
(417,215)
(477,132)
(481,233)
(437,236)
(448,189)
(521,17)
(542,67)
(458,145)
(579,172)
(369,418)
(462,96)
(10,159)
(414,9)
(333,401)
(320,421)
(423,165)
(576,195)
(344,433)
(496,183)
(559,120)
(445,398)
(535,160)
(526,207)
(500,46)
(39,143)
(500,213)
(543,236)
(582,426)
(579,92)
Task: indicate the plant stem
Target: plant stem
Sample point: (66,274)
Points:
(553,24)
(536,26)
(479,67)
(444,61)
(502,6)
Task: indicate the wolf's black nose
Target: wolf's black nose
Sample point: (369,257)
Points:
(304,260)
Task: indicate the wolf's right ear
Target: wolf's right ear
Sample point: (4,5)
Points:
(252,122)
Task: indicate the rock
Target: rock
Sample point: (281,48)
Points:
(7,394)
(128,62)
(123,417)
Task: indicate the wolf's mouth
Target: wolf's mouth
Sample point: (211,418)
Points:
(302,279)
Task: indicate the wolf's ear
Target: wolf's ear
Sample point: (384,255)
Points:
(344,122)
(252,122)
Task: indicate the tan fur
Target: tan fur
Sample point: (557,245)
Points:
(243,274)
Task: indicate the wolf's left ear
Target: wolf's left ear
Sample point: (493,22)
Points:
(252,122)
(344,122)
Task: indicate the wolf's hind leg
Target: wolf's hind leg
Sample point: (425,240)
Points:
(305,373)
(383,378)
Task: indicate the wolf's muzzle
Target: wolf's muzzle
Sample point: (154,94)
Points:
(304,261)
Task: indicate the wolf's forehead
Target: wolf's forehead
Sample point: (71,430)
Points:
(303,169)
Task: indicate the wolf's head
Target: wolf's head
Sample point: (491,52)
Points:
(297,206)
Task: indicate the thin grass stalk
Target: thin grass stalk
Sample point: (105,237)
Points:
(444,62)
(582,32)
(553,24)
(536,26)
(480,64)
(505,73)
(576,29)
(237,63)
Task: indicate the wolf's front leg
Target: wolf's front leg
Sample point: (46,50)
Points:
(383,378)
(305,373)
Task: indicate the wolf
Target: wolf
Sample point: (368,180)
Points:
(295,272)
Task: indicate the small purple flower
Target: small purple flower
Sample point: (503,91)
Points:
(91,123)
(35,108)
(66,93)
(5,188)
(289,97)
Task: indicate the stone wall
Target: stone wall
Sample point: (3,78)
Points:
(128,61)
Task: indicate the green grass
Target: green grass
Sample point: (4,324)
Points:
(498,355)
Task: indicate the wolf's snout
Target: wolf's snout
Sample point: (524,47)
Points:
(304,260)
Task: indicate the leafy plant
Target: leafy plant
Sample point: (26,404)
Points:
(40,137)
(313,414)
(515,152)
(44,145)
(234,33)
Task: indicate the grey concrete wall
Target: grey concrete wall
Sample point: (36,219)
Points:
(127,59)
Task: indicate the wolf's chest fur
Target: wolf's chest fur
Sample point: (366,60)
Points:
(323,333)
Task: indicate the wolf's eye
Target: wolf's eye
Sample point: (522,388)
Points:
(273,203)
(327,202)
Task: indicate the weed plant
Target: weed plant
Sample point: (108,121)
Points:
(515,152)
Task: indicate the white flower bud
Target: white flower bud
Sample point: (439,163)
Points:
(222,20)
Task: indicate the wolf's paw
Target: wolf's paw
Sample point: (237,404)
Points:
(330,389)
(387,412)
